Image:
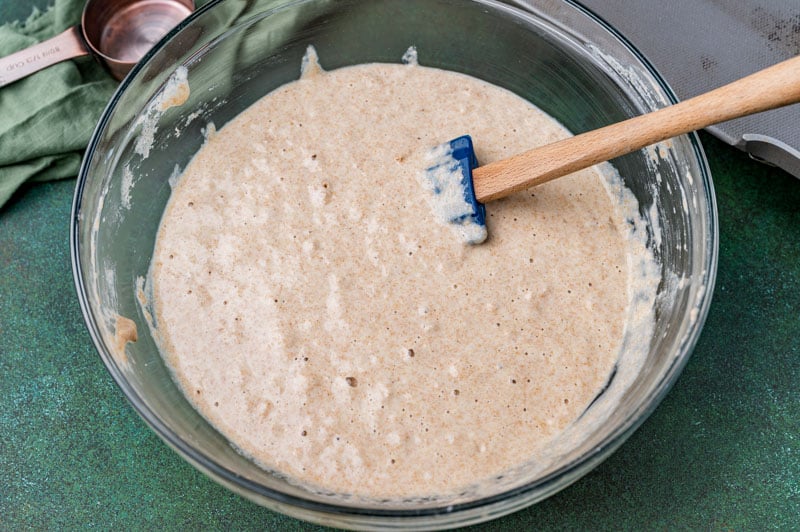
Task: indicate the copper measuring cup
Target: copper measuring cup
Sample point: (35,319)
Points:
(116,32)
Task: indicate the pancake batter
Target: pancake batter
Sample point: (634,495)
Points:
(316,314)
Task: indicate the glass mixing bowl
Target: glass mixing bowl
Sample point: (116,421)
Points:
(551,52)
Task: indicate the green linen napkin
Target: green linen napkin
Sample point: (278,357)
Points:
(46,119)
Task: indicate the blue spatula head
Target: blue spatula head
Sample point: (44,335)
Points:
(449,179)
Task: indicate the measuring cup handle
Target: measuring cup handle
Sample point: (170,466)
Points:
(21,64)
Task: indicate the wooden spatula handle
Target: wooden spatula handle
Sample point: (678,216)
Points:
(770,88)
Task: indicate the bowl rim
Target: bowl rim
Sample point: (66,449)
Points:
(458,513)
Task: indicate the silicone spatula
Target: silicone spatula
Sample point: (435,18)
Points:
(455,166)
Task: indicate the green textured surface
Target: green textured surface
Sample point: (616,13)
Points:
(721,452)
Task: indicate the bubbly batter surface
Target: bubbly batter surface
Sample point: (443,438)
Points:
(316,314)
